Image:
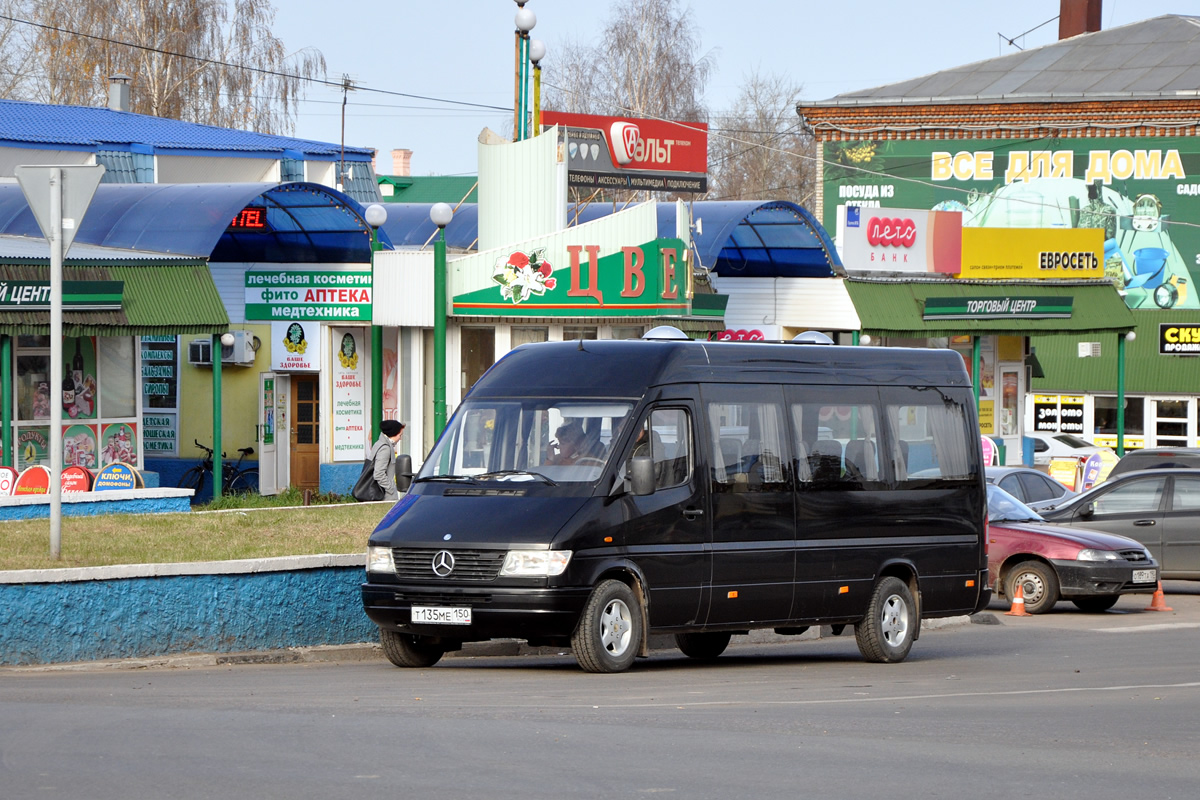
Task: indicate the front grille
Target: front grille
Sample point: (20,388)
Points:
(1134,555)
(433,598)
(469,565)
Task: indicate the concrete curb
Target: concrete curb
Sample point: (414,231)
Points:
(368,651)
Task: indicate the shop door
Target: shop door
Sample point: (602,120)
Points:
(268,479)
(305,432)
(1170,423)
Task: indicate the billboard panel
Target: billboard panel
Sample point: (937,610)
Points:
(1142,193)
(633,153)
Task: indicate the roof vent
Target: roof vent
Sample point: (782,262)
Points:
(812,337)
(666,333)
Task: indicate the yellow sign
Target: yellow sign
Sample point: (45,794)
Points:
(987,417)
(1032,253)
(1065,471)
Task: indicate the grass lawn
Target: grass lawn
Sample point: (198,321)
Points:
(259,532)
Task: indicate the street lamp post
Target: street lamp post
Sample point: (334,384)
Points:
(525,20)
(375,215)
(537,51)
(440,214)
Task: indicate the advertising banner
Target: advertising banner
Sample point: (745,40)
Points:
(900,240)
(296,346)
(633,153)
(294,294)
(1032,253)
(1142,194)
(1178,340)
(349,395)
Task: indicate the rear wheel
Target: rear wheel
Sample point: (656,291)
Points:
(406,650)
(885,634)
(610,630)
(1038,583)
(1096,603)
(245,482)
(702,645)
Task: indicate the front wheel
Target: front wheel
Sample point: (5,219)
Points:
(885,634)
(1096,603)
(406,650)
(1039,586)
(192,479)
(705,646)
(610,630)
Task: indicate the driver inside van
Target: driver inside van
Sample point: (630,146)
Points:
(570,437)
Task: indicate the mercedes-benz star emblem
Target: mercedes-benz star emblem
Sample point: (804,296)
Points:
(443,563)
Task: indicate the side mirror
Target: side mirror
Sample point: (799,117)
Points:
(404,474)
(641,475)
(1088,511)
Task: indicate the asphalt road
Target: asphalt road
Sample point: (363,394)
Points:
(1066,705)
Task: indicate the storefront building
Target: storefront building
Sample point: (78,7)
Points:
(116,304)
(282,272)
(1058,138)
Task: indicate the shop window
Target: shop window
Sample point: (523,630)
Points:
(478,353)
(573,332)
(628,331)
(1106,415)
(118,396)
(528,334)
(33,387)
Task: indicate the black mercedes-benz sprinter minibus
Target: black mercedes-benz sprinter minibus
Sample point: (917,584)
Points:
(588,494)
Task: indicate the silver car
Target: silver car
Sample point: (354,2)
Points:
(1158,507)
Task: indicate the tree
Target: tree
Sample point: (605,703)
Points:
(644,66)
(759,151)
(208,61)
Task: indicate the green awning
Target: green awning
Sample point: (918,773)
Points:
(172,296)
(901,308)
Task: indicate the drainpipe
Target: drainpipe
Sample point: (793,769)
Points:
(216,388)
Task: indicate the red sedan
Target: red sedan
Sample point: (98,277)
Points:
(1053,562)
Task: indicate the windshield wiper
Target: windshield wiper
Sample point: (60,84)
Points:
(451,478)
(503,473)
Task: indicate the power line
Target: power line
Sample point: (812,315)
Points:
(259,70)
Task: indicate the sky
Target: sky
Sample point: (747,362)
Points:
(462,50)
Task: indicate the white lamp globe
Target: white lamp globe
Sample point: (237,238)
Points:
(525,19)
(1129,337)
(227,339)
(864,339)
(537,50)
(441,214)
(375,215)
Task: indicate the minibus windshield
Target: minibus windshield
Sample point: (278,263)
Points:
(529,439)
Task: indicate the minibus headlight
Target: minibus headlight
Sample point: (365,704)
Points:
(379,559)
(535,563)
(1096,555)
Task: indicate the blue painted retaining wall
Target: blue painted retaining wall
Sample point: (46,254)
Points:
(65,615)
(86,504)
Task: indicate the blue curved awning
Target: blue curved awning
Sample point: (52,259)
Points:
(408,225)
(305,222)
(746,239)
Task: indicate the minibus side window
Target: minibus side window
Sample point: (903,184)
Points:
(666,437)
(930,436)
(836,437)
(747,443)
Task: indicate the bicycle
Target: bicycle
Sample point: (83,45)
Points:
(234,479)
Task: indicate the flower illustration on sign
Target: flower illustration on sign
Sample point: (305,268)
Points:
(522,275)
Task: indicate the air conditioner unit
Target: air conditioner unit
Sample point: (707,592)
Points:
(240,352)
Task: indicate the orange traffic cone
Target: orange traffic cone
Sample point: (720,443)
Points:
(1018,604)
(1159,602)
